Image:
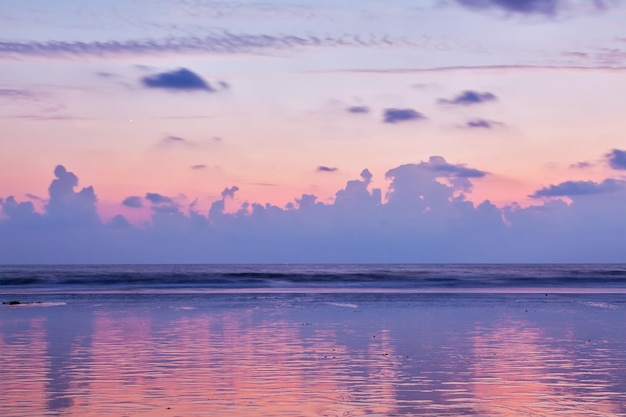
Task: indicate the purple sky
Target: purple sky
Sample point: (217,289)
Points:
(317,131)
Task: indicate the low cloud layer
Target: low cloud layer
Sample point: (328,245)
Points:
(423,216)
(575,188)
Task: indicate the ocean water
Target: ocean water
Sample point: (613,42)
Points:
(349,340)
(307,278)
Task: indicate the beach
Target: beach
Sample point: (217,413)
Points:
(312,354)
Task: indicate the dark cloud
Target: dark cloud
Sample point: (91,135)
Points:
(133,201)
(323,168)
(468,98)
(358,109)
(218,43)
(198,166)
(537,7)
(617,159)
(480,124)
(401,115)
(578,188)
(547,7)
(181,79)
(439,164)
(157,199)
(230,192)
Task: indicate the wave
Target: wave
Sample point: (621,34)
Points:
(314,276)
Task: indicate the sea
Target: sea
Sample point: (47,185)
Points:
(313,340)
(608,278)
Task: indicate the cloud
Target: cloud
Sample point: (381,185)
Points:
(157,199)
(480,124)
(468,98)
(16,94)
(425,217)
(181,79)
(217,43)
(65,205)
(439,164)
(579,188)
(581,165)
(34,197)
(358,109)
(230,192)
(536,7)
(133,202)
(323,168)
(174,139)
(198,166)
(423,176)
(401,115)
(617,159)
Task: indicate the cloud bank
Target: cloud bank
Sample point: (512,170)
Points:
(424,216)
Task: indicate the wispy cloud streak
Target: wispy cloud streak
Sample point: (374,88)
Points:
(224,42)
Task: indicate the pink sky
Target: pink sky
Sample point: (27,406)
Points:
(187,99)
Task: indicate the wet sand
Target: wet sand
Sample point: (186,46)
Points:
(313,355)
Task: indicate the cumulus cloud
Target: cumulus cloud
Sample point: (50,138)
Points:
(133,202)
(468,98)
(323,168)
(181,79)
(401,115)
(617,159)
(425,217)
(578,188)
(358,109)
(67,206)
(230,192)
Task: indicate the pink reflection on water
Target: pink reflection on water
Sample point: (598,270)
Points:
(284,356)
(520,369)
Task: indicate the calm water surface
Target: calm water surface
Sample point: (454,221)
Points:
(313,355)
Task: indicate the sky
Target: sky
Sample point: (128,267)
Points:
(196,131)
